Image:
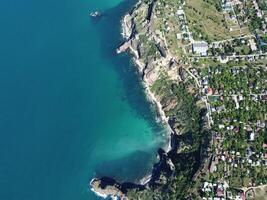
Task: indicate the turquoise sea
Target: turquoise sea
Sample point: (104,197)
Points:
(70,108)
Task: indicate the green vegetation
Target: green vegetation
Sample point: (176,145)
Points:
(223,91)
(148,48)
(186,120)
(206,22)
(183,110)
(262,4)
(256,23)
(239,108)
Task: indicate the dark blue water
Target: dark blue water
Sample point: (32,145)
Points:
(70,108)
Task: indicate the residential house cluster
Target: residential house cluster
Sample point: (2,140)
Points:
(236,97)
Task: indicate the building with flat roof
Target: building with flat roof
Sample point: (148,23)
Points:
(200,48)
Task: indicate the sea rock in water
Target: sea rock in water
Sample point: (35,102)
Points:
(106,187)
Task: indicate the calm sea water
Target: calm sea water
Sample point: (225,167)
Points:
(70,108)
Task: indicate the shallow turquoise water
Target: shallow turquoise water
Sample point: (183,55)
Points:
(70,108)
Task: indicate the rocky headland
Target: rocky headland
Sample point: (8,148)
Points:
(182,111)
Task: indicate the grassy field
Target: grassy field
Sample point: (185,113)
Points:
(260,193)
(206,22)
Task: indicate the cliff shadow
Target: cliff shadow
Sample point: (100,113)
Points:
(115,169)
(109,27)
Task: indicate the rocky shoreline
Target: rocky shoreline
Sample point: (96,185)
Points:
(128,33)
(150,71)
(106,187)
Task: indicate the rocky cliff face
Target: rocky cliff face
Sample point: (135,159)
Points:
(161,75)
(149,50)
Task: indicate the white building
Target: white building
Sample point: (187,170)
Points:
(252,136)
(253,45)
(200,48)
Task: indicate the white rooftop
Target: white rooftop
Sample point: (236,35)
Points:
(200,48)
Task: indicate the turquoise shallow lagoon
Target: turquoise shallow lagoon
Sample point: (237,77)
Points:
(70,108)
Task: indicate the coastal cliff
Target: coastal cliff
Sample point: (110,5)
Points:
(179,107)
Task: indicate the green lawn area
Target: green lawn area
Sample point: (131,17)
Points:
(204,19)
(260,193)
